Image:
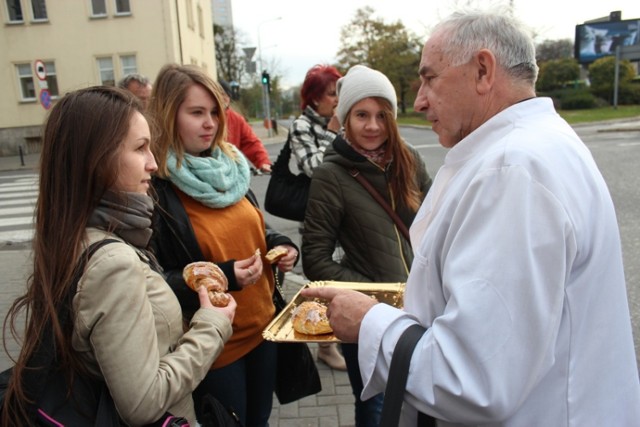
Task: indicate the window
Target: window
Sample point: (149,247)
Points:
(52,79)
(14,9)
(200,22)
(190,14)
(105,68)
(128,63)
(123,7)
(98,8)
(39,9)
(25,79)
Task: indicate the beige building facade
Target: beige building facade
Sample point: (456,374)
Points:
(50,47)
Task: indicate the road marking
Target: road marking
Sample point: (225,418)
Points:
(17,211)
(6,222)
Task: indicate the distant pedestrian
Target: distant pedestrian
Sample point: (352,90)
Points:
(241,134)
(138,85)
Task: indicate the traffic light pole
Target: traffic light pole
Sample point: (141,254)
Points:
(266,85)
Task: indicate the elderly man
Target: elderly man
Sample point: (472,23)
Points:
(518,273)
(138,85)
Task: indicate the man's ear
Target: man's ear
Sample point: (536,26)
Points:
(486,67)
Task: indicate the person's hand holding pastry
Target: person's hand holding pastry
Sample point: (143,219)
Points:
(284,256)
(210,276)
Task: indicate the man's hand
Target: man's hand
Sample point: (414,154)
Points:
(346,309)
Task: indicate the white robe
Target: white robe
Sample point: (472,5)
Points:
(518,275)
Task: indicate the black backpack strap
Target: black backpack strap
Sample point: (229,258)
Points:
(43,358)
(397,382)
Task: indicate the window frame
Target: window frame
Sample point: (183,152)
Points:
(8,9)
(43,5)
(27,78)
(128,70)
(52,79)
(92,10)
(116,8)
(101,70)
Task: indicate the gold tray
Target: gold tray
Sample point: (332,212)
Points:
(281,329)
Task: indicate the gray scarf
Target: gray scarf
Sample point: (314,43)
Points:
(128,215)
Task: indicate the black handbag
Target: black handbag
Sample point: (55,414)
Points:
(297,374)
(287,193)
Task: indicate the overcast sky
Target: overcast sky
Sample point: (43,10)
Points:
(308,32)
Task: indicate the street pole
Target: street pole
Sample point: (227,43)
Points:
(266,108)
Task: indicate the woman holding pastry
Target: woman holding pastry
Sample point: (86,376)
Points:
(341,210)
(124,325)
(208,213)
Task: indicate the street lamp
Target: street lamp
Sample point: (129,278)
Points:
(265,90)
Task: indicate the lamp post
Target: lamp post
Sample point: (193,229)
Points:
(265,90)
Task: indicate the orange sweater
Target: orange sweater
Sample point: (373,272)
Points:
(235,232)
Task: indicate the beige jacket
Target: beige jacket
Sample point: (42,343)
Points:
(129,330)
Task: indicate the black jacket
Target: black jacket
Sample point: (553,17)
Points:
(174,243)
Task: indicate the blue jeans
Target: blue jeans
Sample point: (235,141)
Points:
(368,412)
(245,385)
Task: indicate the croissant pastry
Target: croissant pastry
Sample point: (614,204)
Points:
(209,275)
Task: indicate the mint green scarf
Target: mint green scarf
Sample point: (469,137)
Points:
(217,181)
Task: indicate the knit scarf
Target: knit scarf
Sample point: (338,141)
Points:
(376,156)
(128,215)
(216,181)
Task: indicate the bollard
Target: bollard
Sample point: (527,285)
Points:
(21,156)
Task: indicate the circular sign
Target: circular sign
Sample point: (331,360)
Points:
(45,99)
(41,70)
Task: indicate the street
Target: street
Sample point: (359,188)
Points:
(617,152)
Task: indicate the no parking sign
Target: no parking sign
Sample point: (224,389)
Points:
(45,98)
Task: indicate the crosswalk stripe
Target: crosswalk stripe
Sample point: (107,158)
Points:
(16,211)
(18,197)
(33,194)
(6,222)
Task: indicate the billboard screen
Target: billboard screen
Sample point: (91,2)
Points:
(599,39)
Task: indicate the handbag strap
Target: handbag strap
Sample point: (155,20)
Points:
(397,382)
(354,172)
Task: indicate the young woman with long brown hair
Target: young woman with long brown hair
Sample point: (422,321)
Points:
(125,325)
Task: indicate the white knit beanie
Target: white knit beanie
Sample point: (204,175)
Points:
(363,82)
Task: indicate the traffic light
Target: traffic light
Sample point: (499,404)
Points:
(266,80)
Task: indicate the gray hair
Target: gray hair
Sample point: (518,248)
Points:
(134,77)
(465,33)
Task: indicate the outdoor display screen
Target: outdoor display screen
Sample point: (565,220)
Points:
(599,39)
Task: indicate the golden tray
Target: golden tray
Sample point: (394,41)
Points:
(281,329)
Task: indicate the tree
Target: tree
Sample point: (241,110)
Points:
(389,48)
(229,60)
(602,77)
(556,73)
(554,49)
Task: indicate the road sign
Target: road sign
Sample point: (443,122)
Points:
(45,99)
(41,70)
